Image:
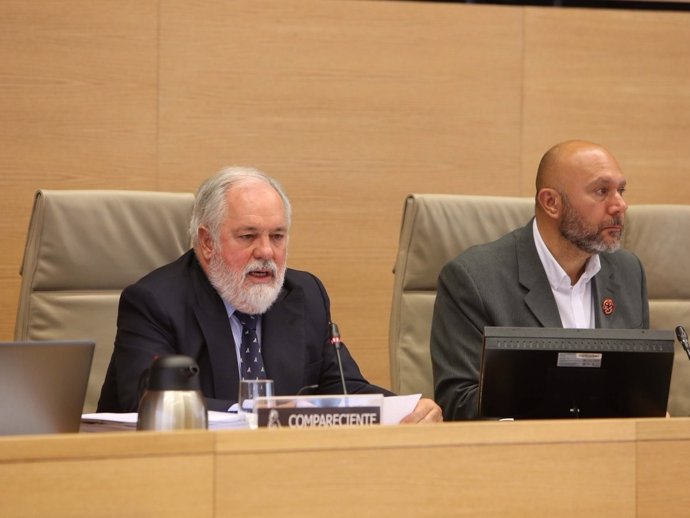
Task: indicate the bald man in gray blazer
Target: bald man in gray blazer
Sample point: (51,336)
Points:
(563,269)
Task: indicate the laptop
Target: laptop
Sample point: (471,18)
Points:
(43,385)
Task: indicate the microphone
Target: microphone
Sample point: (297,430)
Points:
(683,339)
(335,341)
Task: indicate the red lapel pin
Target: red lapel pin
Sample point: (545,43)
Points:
(608,306)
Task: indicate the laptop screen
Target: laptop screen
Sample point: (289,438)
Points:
(43,385)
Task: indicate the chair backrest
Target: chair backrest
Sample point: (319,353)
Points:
(83,247)
(435,228)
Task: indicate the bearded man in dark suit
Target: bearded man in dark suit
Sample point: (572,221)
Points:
(237,265)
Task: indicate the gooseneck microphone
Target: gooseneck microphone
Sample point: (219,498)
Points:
(335,341)
(683,339)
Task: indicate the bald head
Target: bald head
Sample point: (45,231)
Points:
(569,162)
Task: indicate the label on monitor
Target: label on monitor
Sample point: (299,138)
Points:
(592,360)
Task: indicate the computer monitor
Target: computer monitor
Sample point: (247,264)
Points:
(554,373)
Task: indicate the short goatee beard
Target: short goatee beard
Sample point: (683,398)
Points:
(575,230)
(253,300)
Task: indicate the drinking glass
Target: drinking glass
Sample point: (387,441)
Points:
(249,391)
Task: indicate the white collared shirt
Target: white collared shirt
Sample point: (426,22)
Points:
(575,304)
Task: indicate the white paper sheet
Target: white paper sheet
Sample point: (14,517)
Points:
(397,407)
(111,421)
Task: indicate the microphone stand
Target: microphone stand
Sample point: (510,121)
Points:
(335,340)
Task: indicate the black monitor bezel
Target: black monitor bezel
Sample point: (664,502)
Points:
(642,394)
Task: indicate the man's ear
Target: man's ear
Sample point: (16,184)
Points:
(550,201)
(206,243)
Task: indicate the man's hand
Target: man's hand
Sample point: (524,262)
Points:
(426,411)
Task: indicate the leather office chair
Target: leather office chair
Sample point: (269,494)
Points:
(83,247)
(435,228)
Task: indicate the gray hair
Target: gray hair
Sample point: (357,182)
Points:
(210,203)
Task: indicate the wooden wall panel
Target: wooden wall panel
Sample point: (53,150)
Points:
(663,448)
(352,106)
(589,467)
(616,77)
(78,109)
(108,474)
(453,469)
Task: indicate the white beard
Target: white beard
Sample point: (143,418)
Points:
(253,300)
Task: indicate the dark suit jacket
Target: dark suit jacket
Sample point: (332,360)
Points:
(503,283)
(175,310)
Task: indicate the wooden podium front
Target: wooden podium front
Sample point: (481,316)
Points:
(630,467)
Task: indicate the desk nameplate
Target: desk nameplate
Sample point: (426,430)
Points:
(319,411)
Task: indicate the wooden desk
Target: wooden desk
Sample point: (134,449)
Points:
(550,468)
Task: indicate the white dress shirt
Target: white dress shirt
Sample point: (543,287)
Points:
(575,304)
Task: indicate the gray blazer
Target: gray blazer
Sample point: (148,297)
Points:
(503,283)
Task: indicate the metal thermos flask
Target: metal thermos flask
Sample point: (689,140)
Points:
(172,400)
